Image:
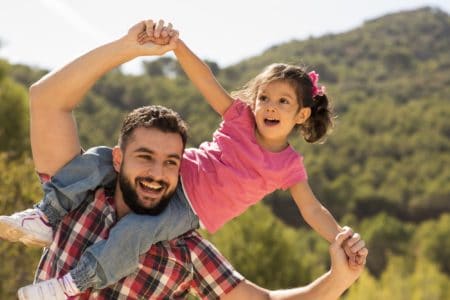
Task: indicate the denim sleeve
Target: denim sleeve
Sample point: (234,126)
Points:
(75,183)
(107,261)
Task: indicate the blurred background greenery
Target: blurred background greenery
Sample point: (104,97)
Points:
(384,171)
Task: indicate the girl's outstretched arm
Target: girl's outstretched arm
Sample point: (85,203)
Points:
(203,78)
(314,213)
(321,220)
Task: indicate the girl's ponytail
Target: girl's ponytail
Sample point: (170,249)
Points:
(320,122)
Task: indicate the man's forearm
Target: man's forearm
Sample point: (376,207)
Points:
(54,137)
(326,287)
(64,88)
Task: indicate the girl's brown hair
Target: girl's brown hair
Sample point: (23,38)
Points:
(319,123)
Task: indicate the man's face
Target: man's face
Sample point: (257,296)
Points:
(148,169)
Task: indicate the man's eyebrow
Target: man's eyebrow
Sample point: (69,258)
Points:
(150,151)
(144,149)
(175,156)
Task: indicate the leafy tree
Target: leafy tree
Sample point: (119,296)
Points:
(431,240)
(266,252)
(26,75)
(384,170)
(384,235)
(403,280)
(164,66)
(19,190)
(13,115)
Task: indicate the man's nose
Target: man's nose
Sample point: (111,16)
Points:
(156,171)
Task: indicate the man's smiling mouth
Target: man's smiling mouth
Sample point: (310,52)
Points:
(151,185)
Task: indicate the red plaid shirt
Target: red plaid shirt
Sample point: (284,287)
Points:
(169,270)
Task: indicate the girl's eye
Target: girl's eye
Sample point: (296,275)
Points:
(284,101)
(262,98)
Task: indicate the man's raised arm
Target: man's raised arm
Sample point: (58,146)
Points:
(53,130)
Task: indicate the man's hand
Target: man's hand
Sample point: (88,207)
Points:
(55,96)
(158,33)
(148,38)
(352,247)
(340,266)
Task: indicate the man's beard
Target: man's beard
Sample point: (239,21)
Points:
(131,198)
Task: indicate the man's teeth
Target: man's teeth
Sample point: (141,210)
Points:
(151,185)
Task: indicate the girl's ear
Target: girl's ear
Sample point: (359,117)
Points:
(303,115)
(117,158)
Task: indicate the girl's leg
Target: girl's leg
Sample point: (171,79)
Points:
(71,186)
(132,236)
(75,181)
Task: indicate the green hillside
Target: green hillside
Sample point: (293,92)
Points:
(390,80)
(384,170)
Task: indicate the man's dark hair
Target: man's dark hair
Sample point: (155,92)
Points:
(152,116)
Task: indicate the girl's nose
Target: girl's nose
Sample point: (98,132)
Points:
(270,107)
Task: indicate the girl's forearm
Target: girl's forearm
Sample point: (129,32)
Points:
(203,78)
(321,220)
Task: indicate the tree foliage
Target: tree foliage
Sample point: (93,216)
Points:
(384,170)
(13,114)
(19,190)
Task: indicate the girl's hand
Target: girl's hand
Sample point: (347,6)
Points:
(165,40)
(159,33)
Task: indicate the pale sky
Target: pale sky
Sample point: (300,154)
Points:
(50,33)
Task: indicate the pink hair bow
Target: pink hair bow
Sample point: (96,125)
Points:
(316,90)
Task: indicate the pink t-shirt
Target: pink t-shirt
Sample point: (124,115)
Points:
(224,177)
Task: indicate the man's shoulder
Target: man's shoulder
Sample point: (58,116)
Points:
(99,150)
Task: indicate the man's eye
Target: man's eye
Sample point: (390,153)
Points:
(146,157)
(171,163)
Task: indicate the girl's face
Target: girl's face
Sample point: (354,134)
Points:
(276,113)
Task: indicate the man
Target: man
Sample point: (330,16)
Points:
(52,101)
(170,269)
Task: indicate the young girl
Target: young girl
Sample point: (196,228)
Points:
(248,158)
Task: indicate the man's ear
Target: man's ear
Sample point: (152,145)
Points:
(117,158)
(303,115)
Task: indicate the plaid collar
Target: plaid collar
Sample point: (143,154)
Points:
(165,272)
